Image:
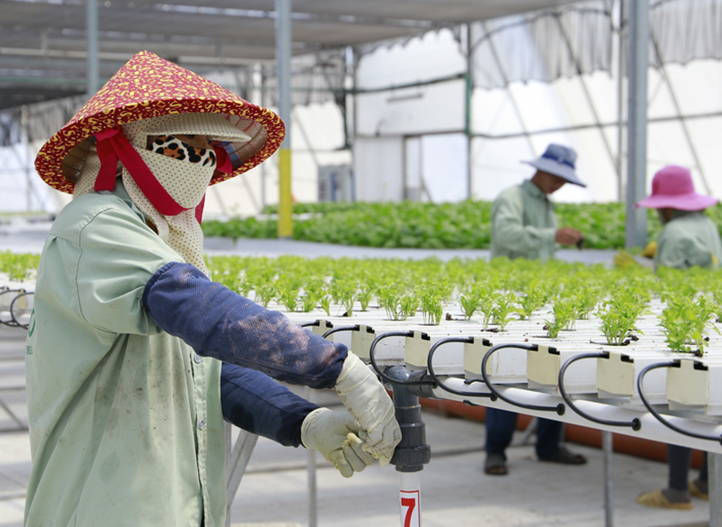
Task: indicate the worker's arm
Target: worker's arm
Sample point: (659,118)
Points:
(219,323)
(256,403)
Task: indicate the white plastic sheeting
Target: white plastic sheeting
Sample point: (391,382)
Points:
(21,190)
(516,123)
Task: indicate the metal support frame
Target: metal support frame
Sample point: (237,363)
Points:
(93,61)
(283,64)
(517,110)
(237,457)
(608,451)
(468,93)
(637,71)
(715,489)
(311,476)
(589,100)
(619,163)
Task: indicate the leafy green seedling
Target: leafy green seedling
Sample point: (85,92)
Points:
(504,309)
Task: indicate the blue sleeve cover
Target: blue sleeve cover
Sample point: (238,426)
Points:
(216,322)
(256,403)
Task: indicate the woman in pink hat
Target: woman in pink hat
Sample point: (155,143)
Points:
(134,356)
(689,238)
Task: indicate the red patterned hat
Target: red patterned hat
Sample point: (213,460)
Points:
(149,86)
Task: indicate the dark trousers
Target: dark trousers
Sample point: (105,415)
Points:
(678,459)
(500,426)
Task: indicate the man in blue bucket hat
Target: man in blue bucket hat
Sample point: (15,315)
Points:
(523,225)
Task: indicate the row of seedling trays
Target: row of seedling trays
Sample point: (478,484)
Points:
(620,321)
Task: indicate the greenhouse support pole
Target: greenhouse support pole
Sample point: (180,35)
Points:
(468,95)
(262,97)
(91,23)
(637,70)
(283,65)
(608,450)
(619,162)
(715,489)
(311,479)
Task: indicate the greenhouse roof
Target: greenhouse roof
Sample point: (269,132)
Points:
(43,42)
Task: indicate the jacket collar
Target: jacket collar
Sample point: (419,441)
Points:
(532,189)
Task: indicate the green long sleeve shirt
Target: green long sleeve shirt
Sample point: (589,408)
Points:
(689,239)
(523,224)
(126,426)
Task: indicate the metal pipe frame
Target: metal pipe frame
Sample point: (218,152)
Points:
(637,71)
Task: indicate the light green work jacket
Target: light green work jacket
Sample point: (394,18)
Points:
(125,420)
(523,224)
(688,239)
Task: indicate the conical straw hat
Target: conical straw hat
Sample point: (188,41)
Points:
(149,86)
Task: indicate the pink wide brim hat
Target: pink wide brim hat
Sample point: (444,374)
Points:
(672,188)
(149,86)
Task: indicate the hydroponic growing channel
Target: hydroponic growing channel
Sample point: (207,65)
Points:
(584,334)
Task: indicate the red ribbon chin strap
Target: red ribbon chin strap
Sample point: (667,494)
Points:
(113,145)
(223,160)
(199,209)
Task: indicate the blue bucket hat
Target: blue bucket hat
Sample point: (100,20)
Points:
(558,160)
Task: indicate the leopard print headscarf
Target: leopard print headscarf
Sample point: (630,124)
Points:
(170,146)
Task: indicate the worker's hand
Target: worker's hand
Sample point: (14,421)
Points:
(650,250)
(334,435)
(365,397)
(624,260)
(568,236)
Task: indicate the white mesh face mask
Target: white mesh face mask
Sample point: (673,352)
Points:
(186,182)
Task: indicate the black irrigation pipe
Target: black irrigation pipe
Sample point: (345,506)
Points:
(12,310)
(379,372)
(309,324)
(432,373)
(635,423)
(559,409)
(13,322)
(640,388)
(340,328)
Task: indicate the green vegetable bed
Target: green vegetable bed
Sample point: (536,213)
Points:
(464,225)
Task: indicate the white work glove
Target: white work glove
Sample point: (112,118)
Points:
(365,397)
(334,435)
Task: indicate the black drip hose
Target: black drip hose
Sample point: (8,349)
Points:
(12,311)
(12,323)
(309,324)
(635,423)
(340,328)
(372,351)
(432,373)
(640,389)
(559,409)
